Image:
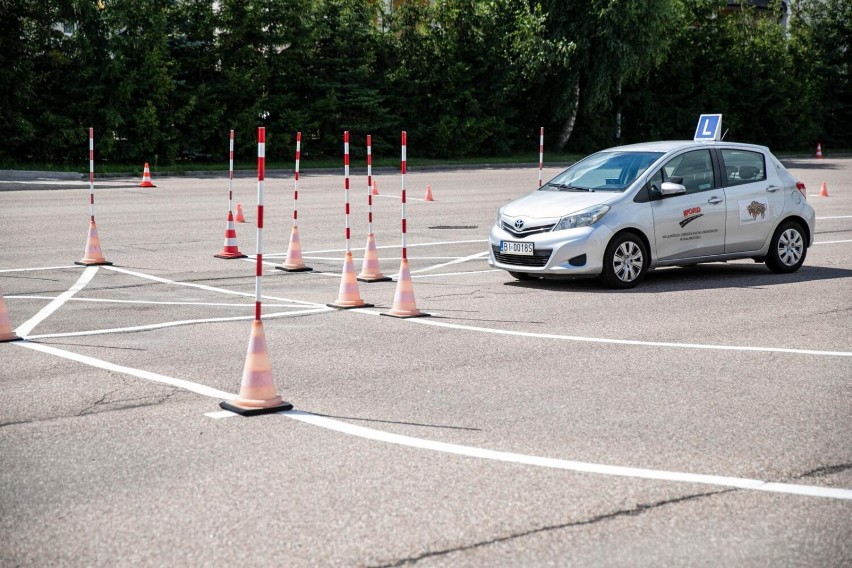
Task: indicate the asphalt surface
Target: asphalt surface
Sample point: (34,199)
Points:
(522,424)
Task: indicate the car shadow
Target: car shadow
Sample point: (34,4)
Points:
(698,277)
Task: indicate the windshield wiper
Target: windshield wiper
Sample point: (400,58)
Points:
(566,187)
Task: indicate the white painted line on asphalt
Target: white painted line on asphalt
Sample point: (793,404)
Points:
(153,326)
(425,321)
(583,467)
(221,414)
(25,328)
(835,217)
(147,375)
(106,301)
(476,256)
(205,287)
(455,273)
(409,245)
(387,437)
(833,242)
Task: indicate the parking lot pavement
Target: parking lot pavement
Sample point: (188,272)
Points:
(701,418)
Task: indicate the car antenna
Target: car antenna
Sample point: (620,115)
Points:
(725,134)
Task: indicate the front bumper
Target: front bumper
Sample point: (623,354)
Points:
(566,253)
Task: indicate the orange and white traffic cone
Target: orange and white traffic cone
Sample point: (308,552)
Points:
(823,190)
(819,150)
(93,255)
(375,190)
(349,296)
(370,270)
(429,193)
(240,217)
(257,390)
(230,250)
(6,331)
(146,177)
(403,300)
(294,261)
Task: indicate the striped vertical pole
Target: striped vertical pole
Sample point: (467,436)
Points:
(231,174)
(369,184)
(296,179)
(92,174)
(261,174)
(540,154)
(402,169)
(346,186)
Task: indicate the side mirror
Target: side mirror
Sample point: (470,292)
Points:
(670,188)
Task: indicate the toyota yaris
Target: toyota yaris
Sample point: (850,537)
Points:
(623,211)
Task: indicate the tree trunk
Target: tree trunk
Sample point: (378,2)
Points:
(565,134)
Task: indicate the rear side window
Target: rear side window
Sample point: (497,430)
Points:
(742,166)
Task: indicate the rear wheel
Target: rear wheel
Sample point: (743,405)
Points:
(788,248)
(625,261)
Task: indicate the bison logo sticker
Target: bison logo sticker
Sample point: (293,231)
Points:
(754,211)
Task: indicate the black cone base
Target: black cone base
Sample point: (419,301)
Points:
(285,269)
(255,411)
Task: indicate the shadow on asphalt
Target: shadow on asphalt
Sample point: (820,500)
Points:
(698,277)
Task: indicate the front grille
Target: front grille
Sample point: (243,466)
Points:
(526,231)
(539,259)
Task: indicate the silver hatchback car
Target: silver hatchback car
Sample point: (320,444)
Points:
(626,210)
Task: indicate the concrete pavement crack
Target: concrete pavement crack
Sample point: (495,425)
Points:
(637,510)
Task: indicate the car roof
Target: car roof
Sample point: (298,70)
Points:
(670,145)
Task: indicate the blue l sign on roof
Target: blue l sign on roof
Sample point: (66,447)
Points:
(709,128)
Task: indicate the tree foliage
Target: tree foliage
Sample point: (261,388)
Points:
(164,80)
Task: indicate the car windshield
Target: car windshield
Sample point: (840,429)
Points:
(605,171)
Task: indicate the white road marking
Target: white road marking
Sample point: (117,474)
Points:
(25,328)
(832,242)
(455,273)
(40,268)
(476,256)
(153,326)
(584,467)
(835,217)
(147,375)
(107,301)
(469,451)
(424,321)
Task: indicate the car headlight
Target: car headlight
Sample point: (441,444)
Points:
(499,216)
(583,218)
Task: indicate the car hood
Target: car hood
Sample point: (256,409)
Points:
(551,204)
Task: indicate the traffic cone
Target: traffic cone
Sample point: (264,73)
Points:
(348,296)
(240,218)
(823,190)
(257,390)
(146,177)
(6,332)
(93,255)
(375,188)
(429,193)
(403,300)
(230,249)
(370,270)
(294,262)
(819,150)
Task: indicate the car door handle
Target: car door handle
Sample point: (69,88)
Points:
(772,188)
(715,200)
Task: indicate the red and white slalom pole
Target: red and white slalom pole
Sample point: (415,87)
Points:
(348,295)
(370,269)
(230,249)
(294,261)
(93,255)
(540,154)
(257,389)
(404,305)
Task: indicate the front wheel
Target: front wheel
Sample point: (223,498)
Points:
(625,261)
(788,248)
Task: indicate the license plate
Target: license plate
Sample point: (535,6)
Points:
(512,247)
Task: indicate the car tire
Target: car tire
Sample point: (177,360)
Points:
(625,261)
(788,248)
(523,276)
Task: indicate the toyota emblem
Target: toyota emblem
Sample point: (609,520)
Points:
(519,224)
